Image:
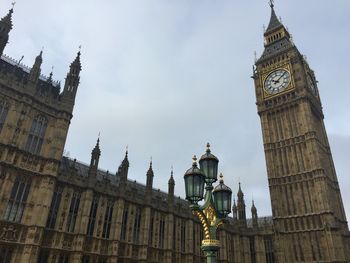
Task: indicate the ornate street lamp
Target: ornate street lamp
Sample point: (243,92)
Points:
(217,203)
(194,183)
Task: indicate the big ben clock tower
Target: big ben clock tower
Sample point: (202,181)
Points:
(307,208)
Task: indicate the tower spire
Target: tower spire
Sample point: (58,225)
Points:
(274,21)
(5,28)
(171,182)
(171,187)
(35,70)
(95,157)
(241,213)
(150,175)
(72,79)
(254,215)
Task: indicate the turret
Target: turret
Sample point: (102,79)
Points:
(34,73)
(171,187)
(234,211)
(149,184)
(123,169)
(149,181)
(5,28)
(242,220)
(72,80)
(95,157)
(254,216)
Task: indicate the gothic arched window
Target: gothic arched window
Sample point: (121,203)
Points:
(17,200)
(36,135)
(55,204)
(4,108)
(73,212)
(92,216)
(107,220)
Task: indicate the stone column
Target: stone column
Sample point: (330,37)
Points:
(35,215)
(145,229)
(117,219)
(169,233)
(189,241)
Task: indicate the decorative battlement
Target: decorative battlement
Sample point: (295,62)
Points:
(27,69)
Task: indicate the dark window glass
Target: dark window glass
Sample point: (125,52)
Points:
(36,135)
(43,256)
(63,259)
(174,235)
(17,201)
(92,216)
(73,212)
(55,205)
(137,222)
(124,224)
(5,254)
(183,236)
(161,232)
(150,236)
(85,259)
(252,249)
(269,249)
(4,108)
(108,220)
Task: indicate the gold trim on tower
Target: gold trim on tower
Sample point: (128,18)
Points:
(264,77)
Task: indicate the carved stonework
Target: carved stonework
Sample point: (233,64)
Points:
(9,233)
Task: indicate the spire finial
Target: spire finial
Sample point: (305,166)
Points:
(271,3)
(13,4)
(194,160)
(41,51)
(127,150)
(172,171)
(208,147)
(221,178)
(51,74)
(98,138)
(150,163)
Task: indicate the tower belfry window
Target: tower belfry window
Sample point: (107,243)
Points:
(4,107)
(36,135)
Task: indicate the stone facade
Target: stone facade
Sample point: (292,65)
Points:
(55,209)
(308,214)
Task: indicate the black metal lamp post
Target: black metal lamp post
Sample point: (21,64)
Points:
(217,204)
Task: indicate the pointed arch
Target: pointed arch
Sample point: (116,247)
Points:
(36,134)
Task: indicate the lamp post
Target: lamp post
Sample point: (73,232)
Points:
(217,203)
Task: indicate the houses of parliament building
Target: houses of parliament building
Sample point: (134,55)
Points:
(58,210)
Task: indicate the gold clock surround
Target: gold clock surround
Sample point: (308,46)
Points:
(266,74)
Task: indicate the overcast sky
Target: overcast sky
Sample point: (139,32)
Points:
(164,77)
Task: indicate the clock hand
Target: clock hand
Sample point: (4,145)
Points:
(278,80)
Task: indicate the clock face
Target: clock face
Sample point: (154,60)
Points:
(277,81)
(311,82)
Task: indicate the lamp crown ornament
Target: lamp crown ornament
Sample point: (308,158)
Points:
(194,160)
(208,147)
